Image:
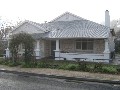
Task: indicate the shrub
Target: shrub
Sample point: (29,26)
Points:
(8,62)
(109,69)
(5,62)
(26,40)
(1,55)
(11,64)
(71,67)
(42,65)
(63,66)
(54,66)
(1,61)
(118,68)
(98,67)
(29,65)
(90,68)
(83,66)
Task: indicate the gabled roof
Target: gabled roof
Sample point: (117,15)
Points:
(67,16)
(69,25)
(31,23)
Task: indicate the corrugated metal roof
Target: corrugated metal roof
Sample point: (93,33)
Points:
(76,29)
(38,35)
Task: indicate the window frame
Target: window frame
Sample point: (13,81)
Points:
(84,40)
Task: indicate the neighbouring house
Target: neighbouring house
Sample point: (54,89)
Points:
(70,37)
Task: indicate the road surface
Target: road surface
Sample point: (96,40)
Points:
(10,81)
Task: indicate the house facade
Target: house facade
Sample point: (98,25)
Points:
(70,37)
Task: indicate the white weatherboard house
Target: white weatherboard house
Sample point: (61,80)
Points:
(70,37)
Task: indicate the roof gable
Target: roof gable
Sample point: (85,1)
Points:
(28,27)
(67,16)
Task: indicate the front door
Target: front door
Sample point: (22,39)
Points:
(53,47)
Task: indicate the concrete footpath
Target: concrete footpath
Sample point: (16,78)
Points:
(63,74)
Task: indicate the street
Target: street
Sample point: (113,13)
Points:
(10,81)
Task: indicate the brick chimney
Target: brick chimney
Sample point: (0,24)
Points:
(107,18)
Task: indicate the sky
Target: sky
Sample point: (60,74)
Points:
(40,11)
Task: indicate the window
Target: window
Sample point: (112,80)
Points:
(84,44)
(78,45)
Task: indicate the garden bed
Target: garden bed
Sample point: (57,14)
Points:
(67,65)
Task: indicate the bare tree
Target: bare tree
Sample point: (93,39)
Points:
(115,24)
(4,31)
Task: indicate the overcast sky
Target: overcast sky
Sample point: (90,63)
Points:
(46,10)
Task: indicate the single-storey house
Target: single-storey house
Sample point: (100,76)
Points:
(70,37)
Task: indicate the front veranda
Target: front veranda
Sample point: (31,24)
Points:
(72,49)
(78,49)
